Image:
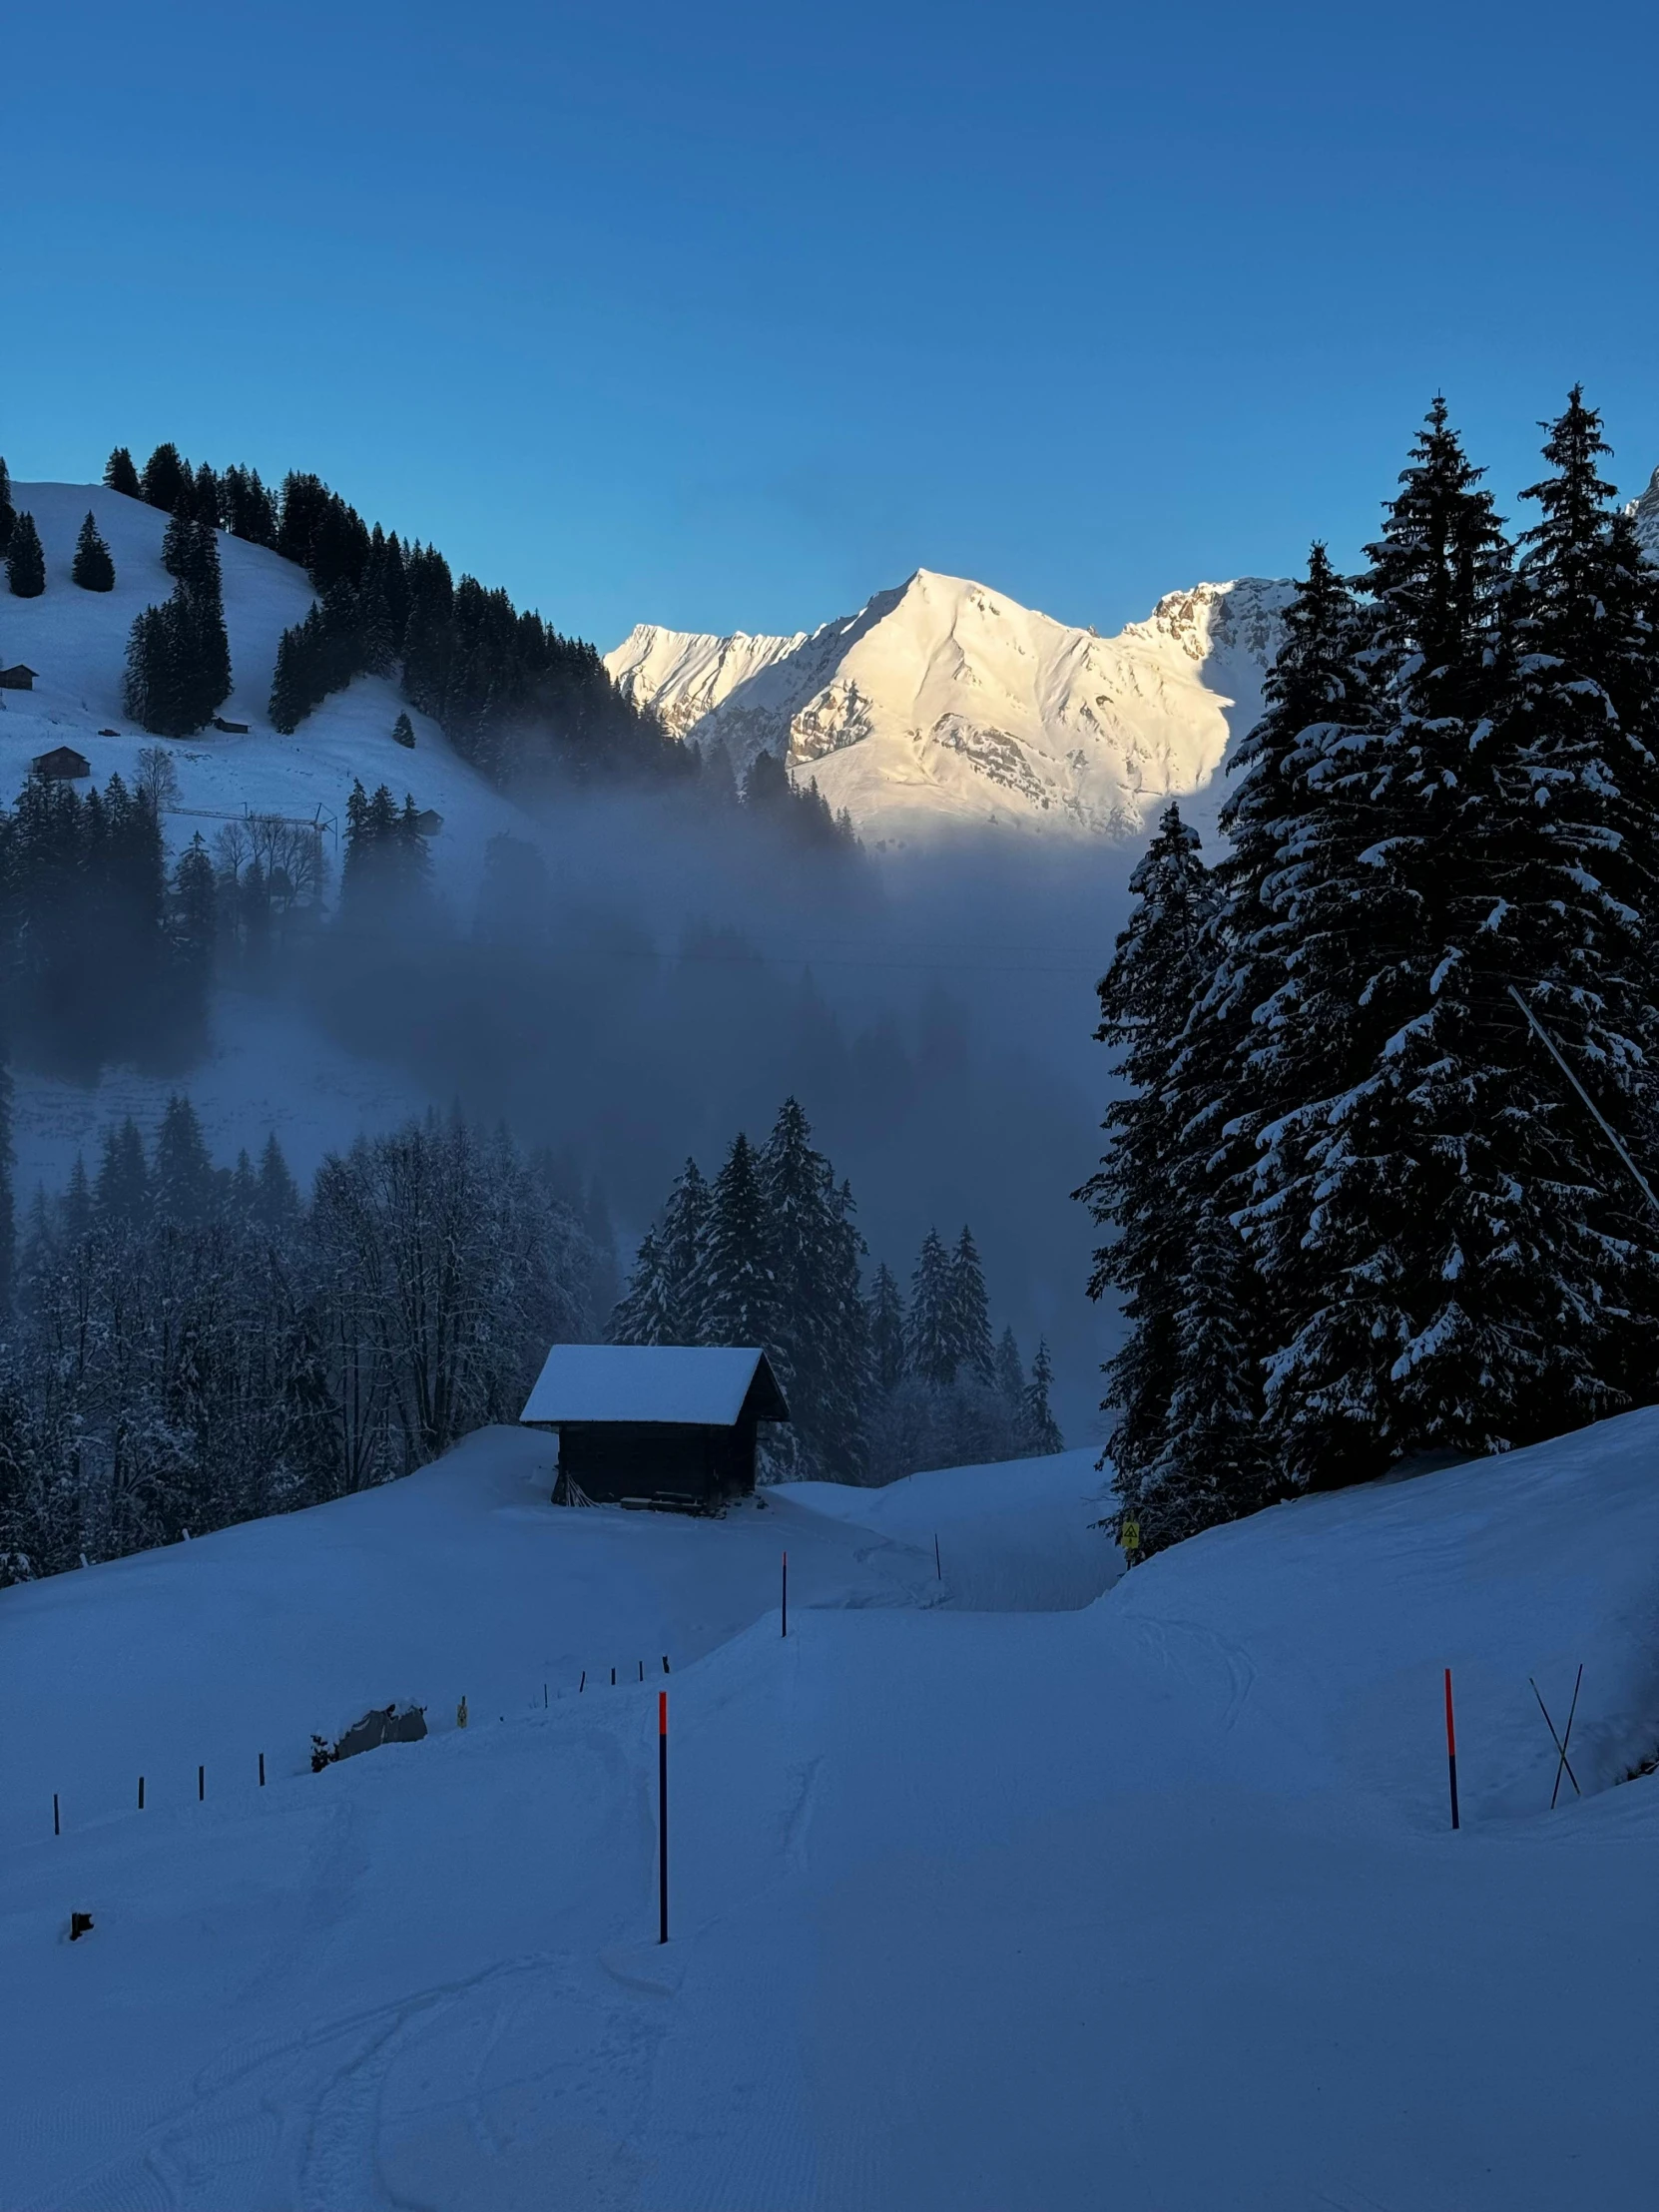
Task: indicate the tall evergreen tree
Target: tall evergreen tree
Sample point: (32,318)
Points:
(683,1244)
(165,478)
(1010,1369)
(969,1310)
(886,1329)
(930,1345)
(1437,1239)
(182,1185)
(278,1204)
(8,512)
(1043,1431)
(121,1194)
(643,1314)
(179,654)
(120,474)
(25,559)
(1158,973)
(821,1331)
(91,568)
(740,1282)
(8,1208)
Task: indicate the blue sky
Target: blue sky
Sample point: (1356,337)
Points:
(726,316)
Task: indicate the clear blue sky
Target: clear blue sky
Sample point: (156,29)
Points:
(725,315)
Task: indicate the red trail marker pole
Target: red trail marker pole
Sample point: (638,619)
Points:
(1450,1747)
(786,1628)
(662,1816)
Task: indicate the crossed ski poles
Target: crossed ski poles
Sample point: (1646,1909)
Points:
(1560,1742)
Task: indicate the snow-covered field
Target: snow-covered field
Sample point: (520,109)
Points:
(1149,1901)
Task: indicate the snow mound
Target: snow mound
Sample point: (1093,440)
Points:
(944,705)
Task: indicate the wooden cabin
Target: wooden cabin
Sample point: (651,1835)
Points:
(229,729)
(668,1425)
(18,678)
(63,764)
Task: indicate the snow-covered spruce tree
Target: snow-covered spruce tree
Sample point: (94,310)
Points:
(8,512)
(931,1341)
(183,1186)
(823,1329)
(1580,879)
(1043,1431)
(1010,1369)
(739,1286)
(886,1329)
(969,1310)
(1246,1060)
(91,568)
(1158,974)
(121,1194)
(643,1314)
(8,1207)
(25,559)
(1437,1253)
(1214,1465)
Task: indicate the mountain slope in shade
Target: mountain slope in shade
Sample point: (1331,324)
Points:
(944,704)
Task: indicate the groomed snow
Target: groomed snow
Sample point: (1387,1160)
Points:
(1152,1903)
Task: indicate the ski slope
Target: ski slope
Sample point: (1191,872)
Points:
(1149,1902)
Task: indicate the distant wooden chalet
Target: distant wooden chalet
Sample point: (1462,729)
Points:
(671,1426)
(229,729)
(18,678)
(429,822)
(63,764)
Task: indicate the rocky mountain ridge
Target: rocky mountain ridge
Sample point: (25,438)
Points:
(943,705)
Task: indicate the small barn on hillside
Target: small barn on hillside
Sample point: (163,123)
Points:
(63,764)
(18,677)
(654,1424)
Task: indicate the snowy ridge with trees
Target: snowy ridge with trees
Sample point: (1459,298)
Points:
(943,705)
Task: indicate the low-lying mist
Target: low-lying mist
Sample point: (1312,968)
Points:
(634,983)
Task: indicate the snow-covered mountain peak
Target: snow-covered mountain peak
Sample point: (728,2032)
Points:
(946,703)
(1645,513)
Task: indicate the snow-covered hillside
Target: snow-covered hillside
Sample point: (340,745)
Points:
(1156,1897)
(944,705)
(76,641)
(266,1070)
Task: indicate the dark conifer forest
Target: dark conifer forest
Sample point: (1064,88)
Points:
(1358,1212)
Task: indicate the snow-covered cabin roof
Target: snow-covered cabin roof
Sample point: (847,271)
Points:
(700,1385)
